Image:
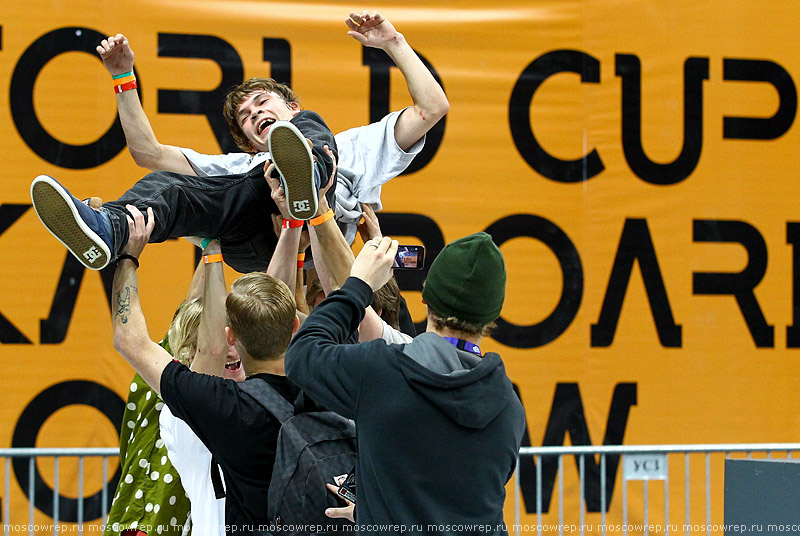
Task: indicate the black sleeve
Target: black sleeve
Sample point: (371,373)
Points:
(207,404)
(320,363)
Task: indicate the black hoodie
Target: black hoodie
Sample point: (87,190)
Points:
(438,428)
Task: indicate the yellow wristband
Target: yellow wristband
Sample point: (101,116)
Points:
(321,219)
(208,259)
(301,256)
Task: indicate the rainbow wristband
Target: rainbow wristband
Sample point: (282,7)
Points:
(124,80)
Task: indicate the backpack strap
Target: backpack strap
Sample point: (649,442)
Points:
(268,398)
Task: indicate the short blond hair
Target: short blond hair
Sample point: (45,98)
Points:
(182,334)
(261,312)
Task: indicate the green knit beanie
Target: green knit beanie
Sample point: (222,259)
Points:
(467,280)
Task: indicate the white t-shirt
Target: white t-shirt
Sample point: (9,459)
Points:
(192,460)
(391,336)
(369,157)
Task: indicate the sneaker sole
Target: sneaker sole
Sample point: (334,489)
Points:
(57,212)
(293,159)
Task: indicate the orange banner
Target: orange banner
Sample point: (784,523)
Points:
(634,160)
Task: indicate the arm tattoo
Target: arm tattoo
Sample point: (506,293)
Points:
(124,304)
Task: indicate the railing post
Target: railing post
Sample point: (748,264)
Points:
(31,491)
(560,495)
(582,491)
(7,505)
(104,495)
(603,492)
(516,498)
(687,494)
(539,495)
(56,496)
(708,493)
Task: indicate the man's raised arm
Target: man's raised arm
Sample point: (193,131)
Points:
(145,149)
(212,347)
(131,339)
(430,102)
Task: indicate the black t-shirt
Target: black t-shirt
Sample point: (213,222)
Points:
(238,432)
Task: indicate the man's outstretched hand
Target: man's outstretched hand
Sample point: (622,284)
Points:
(345,512)
(116,54)
(371,29)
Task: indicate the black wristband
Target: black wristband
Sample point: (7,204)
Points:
(131,257)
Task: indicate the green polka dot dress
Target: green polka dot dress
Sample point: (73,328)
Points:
(149,496)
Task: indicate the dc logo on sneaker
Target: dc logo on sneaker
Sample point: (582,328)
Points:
(92,254)
(302,205)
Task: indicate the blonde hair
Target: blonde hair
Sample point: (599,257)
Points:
(182,334)
(261,313)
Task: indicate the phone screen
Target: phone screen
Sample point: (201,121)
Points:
(409,257)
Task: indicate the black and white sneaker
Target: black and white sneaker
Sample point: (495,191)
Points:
(293,159)
(85,231)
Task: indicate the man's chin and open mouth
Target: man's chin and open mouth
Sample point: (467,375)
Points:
(264,125)
(233,366)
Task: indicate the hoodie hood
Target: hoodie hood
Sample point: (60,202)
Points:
(469,389)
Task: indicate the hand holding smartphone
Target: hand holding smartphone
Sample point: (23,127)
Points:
(347,485)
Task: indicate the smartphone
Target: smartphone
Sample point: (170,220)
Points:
(409,258)
(347,485)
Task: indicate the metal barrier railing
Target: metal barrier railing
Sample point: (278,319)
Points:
(541,466)
(635,460)
(32,477)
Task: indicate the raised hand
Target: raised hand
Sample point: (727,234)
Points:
(116,54)
(374,263)
(369,227)
(139,230)
(371,29)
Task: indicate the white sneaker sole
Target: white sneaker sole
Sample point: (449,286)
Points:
(293,159)
(57,212)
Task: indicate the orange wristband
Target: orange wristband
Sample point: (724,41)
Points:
(208,259)
(124,80)
(321,219)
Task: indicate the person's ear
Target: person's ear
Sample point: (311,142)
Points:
(296,324)
(294,107)
(230,337)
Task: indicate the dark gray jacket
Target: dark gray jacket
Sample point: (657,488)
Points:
(438,428)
